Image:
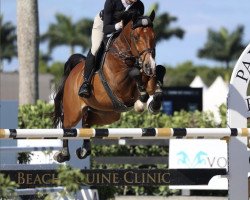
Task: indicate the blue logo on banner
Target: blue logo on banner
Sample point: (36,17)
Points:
(198,160)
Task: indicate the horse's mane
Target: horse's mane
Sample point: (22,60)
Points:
(128,15)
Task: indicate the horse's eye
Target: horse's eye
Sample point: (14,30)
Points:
(137,37)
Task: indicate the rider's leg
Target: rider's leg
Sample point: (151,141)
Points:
(85,88)
(96,39)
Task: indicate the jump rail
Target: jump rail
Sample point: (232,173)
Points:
(115,133)
(24,149)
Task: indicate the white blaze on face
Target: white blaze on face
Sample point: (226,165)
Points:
(152,63)
(149,65)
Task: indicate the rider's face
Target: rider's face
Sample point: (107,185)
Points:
(130,1)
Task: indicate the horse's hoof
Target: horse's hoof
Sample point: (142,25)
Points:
(82,153)
(59,157)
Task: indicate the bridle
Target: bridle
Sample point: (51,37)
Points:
(135,56)
(139,55)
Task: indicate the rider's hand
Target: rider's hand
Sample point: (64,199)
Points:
(119,25)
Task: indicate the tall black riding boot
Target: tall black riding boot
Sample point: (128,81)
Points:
(85,89)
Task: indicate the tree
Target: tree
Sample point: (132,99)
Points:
(162,25)
(8,42)
(27,41)
(65,32)
(223,46)
(181,75)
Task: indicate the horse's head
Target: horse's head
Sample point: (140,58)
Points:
(142,42)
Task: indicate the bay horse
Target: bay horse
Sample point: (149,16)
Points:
(126,76)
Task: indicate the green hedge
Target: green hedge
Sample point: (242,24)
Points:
(38,116)
(35,116)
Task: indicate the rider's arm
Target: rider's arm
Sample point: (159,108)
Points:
(139,6)
(108,12)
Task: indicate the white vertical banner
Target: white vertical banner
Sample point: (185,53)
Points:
(199,154)
(238,110)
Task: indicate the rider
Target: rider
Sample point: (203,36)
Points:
(105,23)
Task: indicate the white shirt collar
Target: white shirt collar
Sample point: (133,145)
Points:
(126,5)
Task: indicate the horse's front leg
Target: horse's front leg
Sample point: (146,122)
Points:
(140,104)
(63,155)
(155,101)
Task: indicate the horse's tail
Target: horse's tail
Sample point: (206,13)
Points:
(57,114)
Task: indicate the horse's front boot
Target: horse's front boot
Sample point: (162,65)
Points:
(155,105)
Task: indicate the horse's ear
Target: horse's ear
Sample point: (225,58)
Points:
(152,16)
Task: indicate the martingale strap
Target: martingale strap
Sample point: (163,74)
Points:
(117,104)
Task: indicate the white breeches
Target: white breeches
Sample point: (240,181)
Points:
(97,34)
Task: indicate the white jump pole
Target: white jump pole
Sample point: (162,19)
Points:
(238,104)
(117,133)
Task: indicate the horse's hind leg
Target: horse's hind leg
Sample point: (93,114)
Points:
(90,118)
(64,155)
(85,150)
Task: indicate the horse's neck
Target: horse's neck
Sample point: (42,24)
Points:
(115,69)
(120,50)
(122,44)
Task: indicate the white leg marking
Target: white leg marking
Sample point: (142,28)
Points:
(139,106)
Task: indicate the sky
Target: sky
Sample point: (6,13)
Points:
(195,17)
